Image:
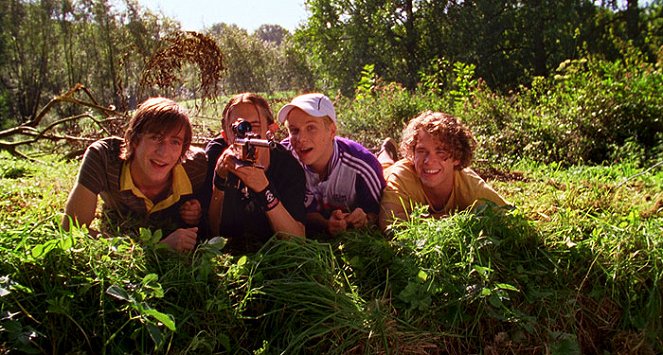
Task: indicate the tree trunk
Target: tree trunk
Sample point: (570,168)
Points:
(632,19)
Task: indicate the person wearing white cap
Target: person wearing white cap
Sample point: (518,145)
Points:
(344,180)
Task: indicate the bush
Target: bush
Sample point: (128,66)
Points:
(586,113)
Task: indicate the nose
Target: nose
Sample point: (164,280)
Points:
(427,158)
(161,148)
(297,137)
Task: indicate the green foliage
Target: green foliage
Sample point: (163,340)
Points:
(382,113)
(576,267)
(366,83)
(509,43)
(586,113)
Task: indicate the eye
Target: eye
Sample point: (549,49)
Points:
(155,137)
(443,154)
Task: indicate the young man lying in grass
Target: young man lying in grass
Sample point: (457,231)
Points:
(150,177)
(343,179)
(434,172)
(251,201)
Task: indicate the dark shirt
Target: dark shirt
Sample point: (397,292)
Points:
(243,222)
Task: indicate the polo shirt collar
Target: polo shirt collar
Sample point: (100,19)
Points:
(181,185)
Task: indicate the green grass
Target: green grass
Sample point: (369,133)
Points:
(577,267)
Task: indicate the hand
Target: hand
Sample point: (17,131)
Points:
(191,212)
(183,239)
(225,163)
(337,222)
(357,218)
(254,178)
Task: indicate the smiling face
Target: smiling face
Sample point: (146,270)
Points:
(433,163)
(312,138)
(155,156)
(249,112)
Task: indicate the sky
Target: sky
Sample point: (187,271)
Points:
(194,15)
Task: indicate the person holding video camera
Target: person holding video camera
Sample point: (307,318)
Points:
(257,186)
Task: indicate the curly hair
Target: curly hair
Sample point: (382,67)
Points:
(454,136)
(156,115)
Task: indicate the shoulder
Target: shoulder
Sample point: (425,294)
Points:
(102,153)
(216,144)
(283,164)
(195,154)
(469,176)
(355,149)
(356,156)
(108,145)
(281,154)
(195,164)
(472,187)
(401,176)
(400,168)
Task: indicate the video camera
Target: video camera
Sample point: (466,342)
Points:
(246,142)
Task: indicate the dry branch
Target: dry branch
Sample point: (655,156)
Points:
(182,47)
(13,138)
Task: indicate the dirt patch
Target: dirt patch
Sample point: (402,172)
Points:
(493,173)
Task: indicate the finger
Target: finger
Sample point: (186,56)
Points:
(338,214)
(357,216)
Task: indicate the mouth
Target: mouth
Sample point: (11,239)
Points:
(304,151)
(431,171)
(158,163)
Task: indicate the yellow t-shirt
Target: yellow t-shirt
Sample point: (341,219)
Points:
(404,192)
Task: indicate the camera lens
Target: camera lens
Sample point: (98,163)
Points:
(241,128)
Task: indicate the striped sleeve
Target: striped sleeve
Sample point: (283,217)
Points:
(93,171)
(372,178)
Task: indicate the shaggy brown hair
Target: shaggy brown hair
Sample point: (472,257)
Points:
(454,136)
(156,115)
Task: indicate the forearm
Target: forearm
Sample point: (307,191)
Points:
(315,222)
(81,207)
(215,211)
(283,223)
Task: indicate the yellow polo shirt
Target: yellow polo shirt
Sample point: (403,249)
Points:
(404,192)
(181,186)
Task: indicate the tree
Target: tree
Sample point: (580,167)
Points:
(272,33)
(254,64)
(508,41)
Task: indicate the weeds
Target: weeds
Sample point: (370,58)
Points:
(576,267)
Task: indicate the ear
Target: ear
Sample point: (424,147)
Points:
(456,164)
(332,129)
(273,128)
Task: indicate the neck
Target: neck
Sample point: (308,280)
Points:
(150,187)
(322,169)
(439,195)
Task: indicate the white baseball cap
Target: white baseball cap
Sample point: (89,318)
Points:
(316,105)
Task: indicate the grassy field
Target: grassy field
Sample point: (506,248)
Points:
(576,268)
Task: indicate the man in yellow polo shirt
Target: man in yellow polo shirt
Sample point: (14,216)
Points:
(435,172)
(151,177)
